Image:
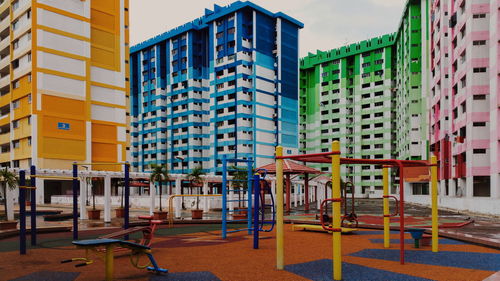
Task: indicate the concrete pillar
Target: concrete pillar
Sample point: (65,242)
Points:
(10,198)
(40,190)
(83,199)
(206,199)
(273,189)
(306,191)
(467,185)
(230,198)
(107,199)
(152,198)
(295,191)
(288,189)
(178,200)
(494,185)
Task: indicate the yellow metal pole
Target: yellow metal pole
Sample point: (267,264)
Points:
(337,251)
(108,262)
(280,253)
(385,182)
(434,187)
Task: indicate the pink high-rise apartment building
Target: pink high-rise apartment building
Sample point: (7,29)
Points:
(464,102)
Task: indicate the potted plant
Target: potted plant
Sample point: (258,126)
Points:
(195,180)
(8,181)
(240,182)
(93,214)
(120,211)
(159,174)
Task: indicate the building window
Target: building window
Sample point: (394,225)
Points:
(479,151)
(15,104)
(479,69)
(231,30)
(15,144)
(219,35)
(479,42)
(479,16)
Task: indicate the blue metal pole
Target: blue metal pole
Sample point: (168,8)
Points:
(224,197)
(127,195)
(76,184)
(22,212)
(33,206)
(256,196)
(249,195)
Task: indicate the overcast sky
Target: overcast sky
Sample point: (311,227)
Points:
(327,23)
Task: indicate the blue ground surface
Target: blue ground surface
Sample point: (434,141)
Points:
(471,260)
(48,276)
(373,232)
(185,276)
(411,241)
(320,270)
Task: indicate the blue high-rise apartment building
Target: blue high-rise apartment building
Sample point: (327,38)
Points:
(223,84)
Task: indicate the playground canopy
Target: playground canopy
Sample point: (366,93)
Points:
(290,167)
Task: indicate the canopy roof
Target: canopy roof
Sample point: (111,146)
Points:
(326,157)
(290,167)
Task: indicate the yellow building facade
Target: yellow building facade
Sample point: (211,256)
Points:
(64,84)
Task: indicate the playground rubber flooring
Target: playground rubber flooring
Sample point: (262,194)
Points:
(197,252)
(367,220)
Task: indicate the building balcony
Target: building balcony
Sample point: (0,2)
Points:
(5,119)
(4,6)
(23,28)
(23,6)
(4,63)
(4,81)
(4,45)
(4,24)
(22,70)
(5,157)
(5,138)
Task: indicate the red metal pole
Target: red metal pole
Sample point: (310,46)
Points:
(306,190)
(288,192)
(401,215)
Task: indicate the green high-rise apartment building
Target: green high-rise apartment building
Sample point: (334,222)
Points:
(410,129)
(369,96)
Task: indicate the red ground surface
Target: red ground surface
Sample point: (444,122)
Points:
(234,258)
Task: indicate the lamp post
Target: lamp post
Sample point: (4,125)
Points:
(182,172)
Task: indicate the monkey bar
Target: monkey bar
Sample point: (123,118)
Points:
(333,157)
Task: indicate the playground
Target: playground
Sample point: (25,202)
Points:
(252,239)
(197,252)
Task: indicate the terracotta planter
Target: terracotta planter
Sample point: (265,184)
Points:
(239,217)
(160,215)
(240,213)
(120,212)
(4,225)
(94,214)
(196,214)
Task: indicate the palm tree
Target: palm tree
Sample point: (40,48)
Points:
(240,181)
(159,174)
(8,180)
(194,177)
